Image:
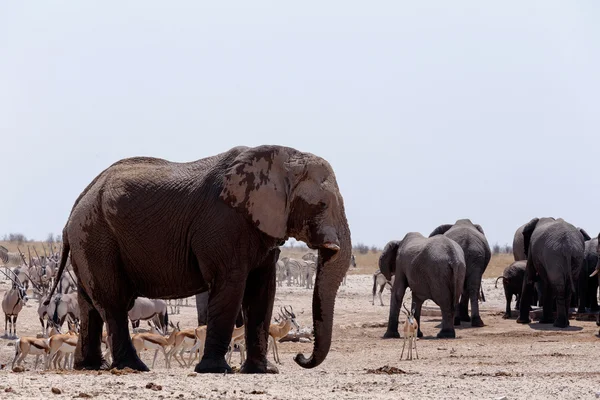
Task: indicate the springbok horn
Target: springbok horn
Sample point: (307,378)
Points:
(404,305)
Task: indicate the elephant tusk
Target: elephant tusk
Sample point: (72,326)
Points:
(594,273)
(332,246)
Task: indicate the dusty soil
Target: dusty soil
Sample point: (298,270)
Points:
(500,359)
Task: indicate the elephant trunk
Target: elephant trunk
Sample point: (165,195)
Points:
(332,264)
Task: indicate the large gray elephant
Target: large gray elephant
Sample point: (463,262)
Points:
(585,284)
(154,228)
(433,268)
(471,238)
(555,252)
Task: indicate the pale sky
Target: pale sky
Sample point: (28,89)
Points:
(427,111)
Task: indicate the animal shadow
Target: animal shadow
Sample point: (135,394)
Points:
(551,328)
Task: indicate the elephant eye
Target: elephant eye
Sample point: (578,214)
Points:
(322,205)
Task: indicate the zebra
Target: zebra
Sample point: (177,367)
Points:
(10,259)
(380,280)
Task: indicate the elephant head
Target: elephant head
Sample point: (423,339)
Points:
(286,193)
(387,260)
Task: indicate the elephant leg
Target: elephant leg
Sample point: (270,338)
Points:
(593,292)
(123,352)
(398,291)
(463,307)
(258,307)
(582,293)
(508,296)
(474,290)
(417,305)
(224,303)
(88,353)
(526,294)
(547,305)
(563,297)
(518,300)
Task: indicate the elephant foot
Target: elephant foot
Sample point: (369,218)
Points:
(595,308)
(581,310)
(90,365)
(561,323)
(133,363)
(419,334)
(476,322)
(465,318)
(391,335)
(213,366)
(446,334)
(506,316)
(523,320)
(546,321)
(456,321)
(264,367)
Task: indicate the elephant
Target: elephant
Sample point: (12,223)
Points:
(433,268)
(512,280)
(519,254)
(587,288)
(154,228)
(471,238)
(519,245)
(555,251)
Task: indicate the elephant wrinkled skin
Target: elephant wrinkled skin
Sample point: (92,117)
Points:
(153,228)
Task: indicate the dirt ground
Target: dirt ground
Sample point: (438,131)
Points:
(502,359)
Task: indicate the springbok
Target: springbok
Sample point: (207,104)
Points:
(280,330)
(198,350)
(62,345)
(237,337)
(30,346)
(154,341)
(410,329)
(12,304)
(184,340)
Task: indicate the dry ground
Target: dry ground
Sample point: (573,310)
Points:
(501,359)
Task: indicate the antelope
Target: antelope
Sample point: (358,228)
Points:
(184,340)
(410,329)
(107,353)
(30,346)
(380,280)
(280,330)
(352,265)
(154,341)
(198,349)
(237,337)
(12,304)
(61,306)
(62,345)
(147,309)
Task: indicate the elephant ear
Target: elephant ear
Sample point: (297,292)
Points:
(387,260)
(586,237)
(527,232)
(479,228)
(440,230)
(257,185)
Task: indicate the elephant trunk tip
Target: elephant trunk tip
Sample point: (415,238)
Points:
(304,362)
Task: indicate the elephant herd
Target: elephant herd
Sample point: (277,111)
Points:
(147,227)
(555,265)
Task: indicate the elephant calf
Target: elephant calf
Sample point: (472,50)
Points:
(512,280)
(433,268)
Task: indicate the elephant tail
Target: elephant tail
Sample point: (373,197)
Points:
(570,273)
(375,283)
(63,263)
(496,284)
